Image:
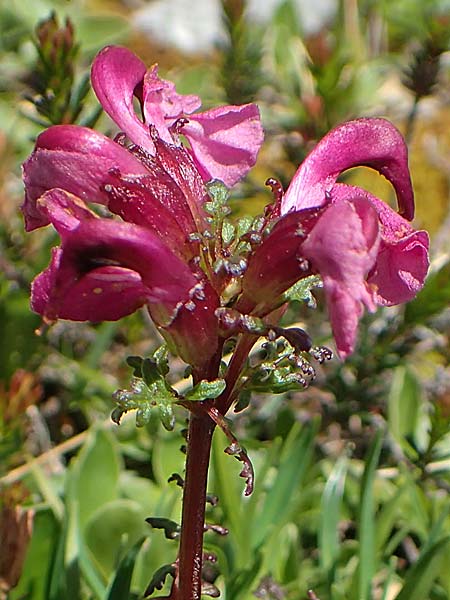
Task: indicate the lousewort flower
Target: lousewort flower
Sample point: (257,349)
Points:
(105,267)
(157,247)
(366,253)
(223,141)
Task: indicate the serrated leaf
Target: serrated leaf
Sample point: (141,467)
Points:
(219,194)
(171,529)
(144,399)
(206,389)
(301,291)
(161,355)
(244,225)
(158,579)
(166,414)
(136,363)
(228,231)
(150,372)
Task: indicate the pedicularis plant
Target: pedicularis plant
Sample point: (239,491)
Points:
(212,287)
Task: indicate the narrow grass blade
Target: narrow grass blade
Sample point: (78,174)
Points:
(289,477)
(330,514)
(366,521)
(422,575)
(121,584)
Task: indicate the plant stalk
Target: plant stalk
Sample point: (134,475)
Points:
(201,428)
(188,584)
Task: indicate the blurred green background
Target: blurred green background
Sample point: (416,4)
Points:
(353,474)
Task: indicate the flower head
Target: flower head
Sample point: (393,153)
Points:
(224,141)
(365,252)
(144,253)
(156,246)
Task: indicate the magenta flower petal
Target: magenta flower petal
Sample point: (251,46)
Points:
(105,294)
(278,262)
(76,159)
(64,210)
(155,202)
(106,269)
(194,330)
(373,143)
(402,261)
(225,141)
(99,243)
(132,201)
(163,105)
(117,75)
(176,162)
(343,247)
(400,269)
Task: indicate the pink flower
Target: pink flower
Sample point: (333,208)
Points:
(106,268)
(224,141)
(365,252)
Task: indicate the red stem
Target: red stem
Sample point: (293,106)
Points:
(201,427)
(194,498)
(240,354)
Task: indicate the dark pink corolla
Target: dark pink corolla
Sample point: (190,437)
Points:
(147,251)
(366,253)
(224,141)
(144,252)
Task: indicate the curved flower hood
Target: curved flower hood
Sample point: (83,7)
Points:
(224,141)
(366,253)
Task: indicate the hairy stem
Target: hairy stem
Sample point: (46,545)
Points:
(201,428)
(241,352)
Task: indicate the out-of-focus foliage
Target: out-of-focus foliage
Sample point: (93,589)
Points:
(352,475)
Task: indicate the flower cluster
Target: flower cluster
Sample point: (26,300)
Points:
(155,248)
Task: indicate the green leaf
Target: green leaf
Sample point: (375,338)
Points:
(171,529)
(93,477)
(206,389)
(297,454)
(166,414)
(145,398)
(121,584)
(404,403)
(219,194)
(161,355)
(387,518)
(244,225)
(228,231)
(301,291)
(238,587)
(40,557)
(330,513)
(113,529)
(434,297)
(366,521)
(422,575)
